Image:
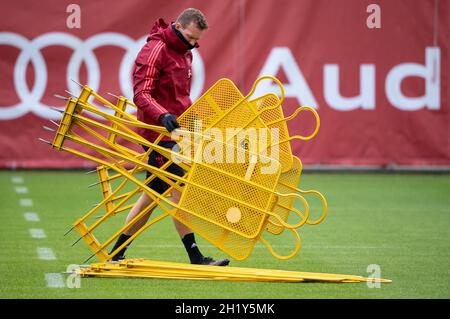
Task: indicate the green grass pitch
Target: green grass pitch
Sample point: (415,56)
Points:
(400,222)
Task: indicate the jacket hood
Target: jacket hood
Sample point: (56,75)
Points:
(163,31)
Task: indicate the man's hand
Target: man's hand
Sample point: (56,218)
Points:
(169,121)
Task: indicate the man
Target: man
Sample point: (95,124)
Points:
(162,81)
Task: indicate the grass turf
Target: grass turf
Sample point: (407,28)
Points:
(397,221)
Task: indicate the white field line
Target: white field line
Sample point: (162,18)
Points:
(46,253)
(55,280)
(37,233)
(31,217)
(26,202)
(17,179)
(21,190)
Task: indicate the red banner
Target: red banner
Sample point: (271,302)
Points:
(376,71)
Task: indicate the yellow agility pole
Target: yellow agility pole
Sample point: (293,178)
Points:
(158,269)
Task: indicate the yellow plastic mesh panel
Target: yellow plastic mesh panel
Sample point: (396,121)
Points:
(236,162)
(224,107)
(214,207)
(241,116)
(211,105)
(268,101)
(201,110)
(209,231)
(219,192)
(225,94)
(291,178)
(240,247)
(209,108)
(234,245)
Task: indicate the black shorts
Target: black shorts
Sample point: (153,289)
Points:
(157,160)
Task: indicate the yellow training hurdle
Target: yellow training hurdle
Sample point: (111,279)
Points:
(230,204)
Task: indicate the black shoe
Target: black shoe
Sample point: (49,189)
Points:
(211,262)
(118,258)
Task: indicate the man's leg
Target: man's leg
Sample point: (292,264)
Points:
(142,202)
(188,239)
(181,228)
(140,205)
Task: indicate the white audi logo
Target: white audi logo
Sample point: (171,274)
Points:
(83,50)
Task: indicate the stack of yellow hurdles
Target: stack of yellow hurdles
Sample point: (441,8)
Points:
(241,179)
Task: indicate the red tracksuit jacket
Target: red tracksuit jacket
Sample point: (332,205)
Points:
(161,77)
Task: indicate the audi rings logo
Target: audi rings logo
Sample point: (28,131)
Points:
(83,51)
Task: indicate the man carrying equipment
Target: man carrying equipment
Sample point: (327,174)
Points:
(161,83)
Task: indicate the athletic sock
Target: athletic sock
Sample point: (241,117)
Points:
(122,238)
(191,247)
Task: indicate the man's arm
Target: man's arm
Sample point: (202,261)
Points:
(146,74)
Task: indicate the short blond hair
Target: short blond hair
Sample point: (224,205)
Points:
(193,15)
